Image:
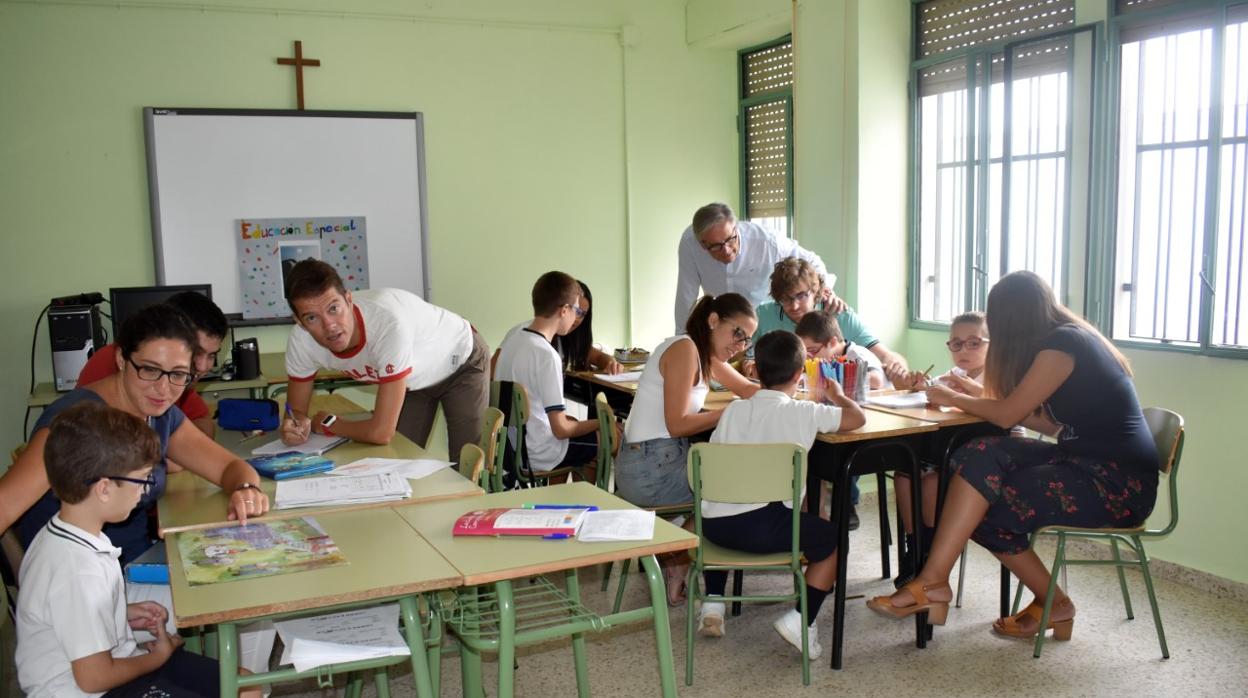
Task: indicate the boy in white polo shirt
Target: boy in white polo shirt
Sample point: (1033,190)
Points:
(773,416)
(75,631)
(552,438)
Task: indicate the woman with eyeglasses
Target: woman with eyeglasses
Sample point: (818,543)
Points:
(1048,370)
(154,361)
(667,410)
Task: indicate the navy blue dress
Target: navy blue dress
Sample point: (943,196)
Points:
(1101,473)
(130,535)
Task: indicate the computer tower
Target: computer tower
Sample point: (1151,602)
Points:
(75,333)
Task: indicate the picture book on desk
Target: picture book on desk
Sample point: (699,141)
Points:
(259,549)
(545,521)
(283,466)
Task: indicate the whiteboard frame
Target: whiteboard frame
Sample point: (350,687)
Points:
(153,180)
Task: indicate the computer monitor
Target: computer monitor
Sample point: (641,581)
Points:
(131,299)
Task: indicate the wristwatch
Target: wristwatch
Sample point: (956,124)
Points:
(328,421)
(247,486)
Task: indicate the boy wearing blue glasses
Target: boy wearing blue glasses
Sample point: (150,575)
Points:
(75,631)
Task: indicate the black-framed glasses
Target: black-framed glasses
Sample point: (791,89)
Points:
(148,482)
(800,297)
(153,374)
(739,336)
(971,343)
(717,246)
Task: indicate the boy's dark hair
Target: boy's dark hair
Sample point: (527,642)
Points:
(819,326)
(90,441)
(160,321)
(202,312)
(777,356)
(552,291)
(973,317)
(310,278)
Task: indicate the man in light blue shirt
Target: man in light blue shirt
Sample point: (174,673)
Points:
(720,254)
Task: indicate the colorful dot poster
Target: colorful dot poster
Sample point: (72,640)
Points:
(270,247)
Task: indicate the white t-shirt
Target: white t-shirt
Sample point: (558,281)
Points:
(749,274)
(770,417)
(72,605)
(525,357)
(646,418)
(403,338)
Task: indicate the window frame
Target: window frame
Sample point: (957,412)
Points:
(1215,13)
(743,104)
(978,62)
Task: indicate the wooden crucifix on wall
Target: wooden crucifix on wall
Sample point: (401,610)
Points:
(299,62)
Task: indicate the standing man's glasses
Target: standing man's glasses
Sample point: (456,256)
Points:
(716,247)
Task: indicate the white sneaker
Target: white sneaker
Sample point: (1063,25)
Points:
(789,626)
(711,619)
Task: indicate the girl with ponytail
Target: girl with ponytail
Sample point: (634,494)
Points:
(667,410)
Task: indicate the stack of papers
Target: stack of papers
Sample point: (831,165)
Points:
(342,637)
(618,524)
(347,489)
(414,469)
(625,377)
(899,400)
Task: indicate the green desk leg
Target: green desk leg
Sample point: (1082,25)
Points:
(662,633)
(573,585)
(408,607)
(506,639)
(227,643)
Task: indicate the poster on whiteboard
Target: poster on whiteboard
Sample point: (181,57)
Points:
(269,247)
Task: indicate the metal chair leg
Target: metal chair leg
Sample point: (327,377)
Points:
(738,580)
(1122,579)
(1152,598)
(961,574)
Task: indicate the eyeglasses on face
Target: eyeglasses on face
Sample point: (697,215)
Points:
(153,374)
(579,312)
(148,482)
(799,298)
(739,336)
(730,241)
(971,343)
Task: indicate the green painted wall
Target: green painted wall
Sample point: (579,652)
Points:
(550,143)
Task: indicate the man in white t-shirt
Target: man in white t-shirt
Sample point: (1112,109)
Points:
(720,254)
(552,438)
(419,355)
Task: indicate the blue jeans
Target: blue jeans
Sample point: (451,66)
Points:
(652,473)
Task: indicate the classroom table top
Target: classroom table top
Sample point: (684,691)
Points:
(485,559)
(880,425)
(386,559)
(191,502)
(273,369)
(948,417)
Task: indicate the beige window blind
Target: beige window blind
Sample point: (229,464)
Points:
(765,72)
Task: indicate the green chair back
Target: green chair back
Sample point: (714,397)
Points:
(472,462)
(516,413)
(742,474)
(1167,430)
(491,445)
(606,440)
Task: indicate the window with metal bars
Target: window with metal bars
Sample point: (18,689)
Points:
(765,124)
(1182,176)
(1002,98)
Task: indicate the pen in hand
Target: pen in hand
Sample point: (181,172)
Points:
(927,380)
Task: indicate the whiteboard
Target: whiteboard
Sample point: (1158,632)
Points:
(208,168)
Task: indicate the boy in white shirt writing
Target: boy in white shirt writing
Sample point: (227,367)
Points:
(773,416)
(75,631)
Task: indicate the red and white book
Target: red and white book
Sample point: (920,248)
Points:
(547,522)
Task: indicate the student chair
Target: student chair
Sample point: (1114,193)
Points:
(472,463)
(608,444)
(513,401)
(1168,434)
(745,473)
(491,445)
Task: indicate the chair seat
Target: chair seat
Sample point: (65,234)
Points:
(715,555)
(1091,531)
(672,509)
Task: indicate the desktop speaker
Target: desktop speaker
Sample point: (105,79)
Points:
(75,334)
(246,359)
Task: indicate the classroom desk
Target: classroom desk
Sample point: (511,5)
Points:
(387,560)
(497,561)
(192,502)
(834,457)
(273,368)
